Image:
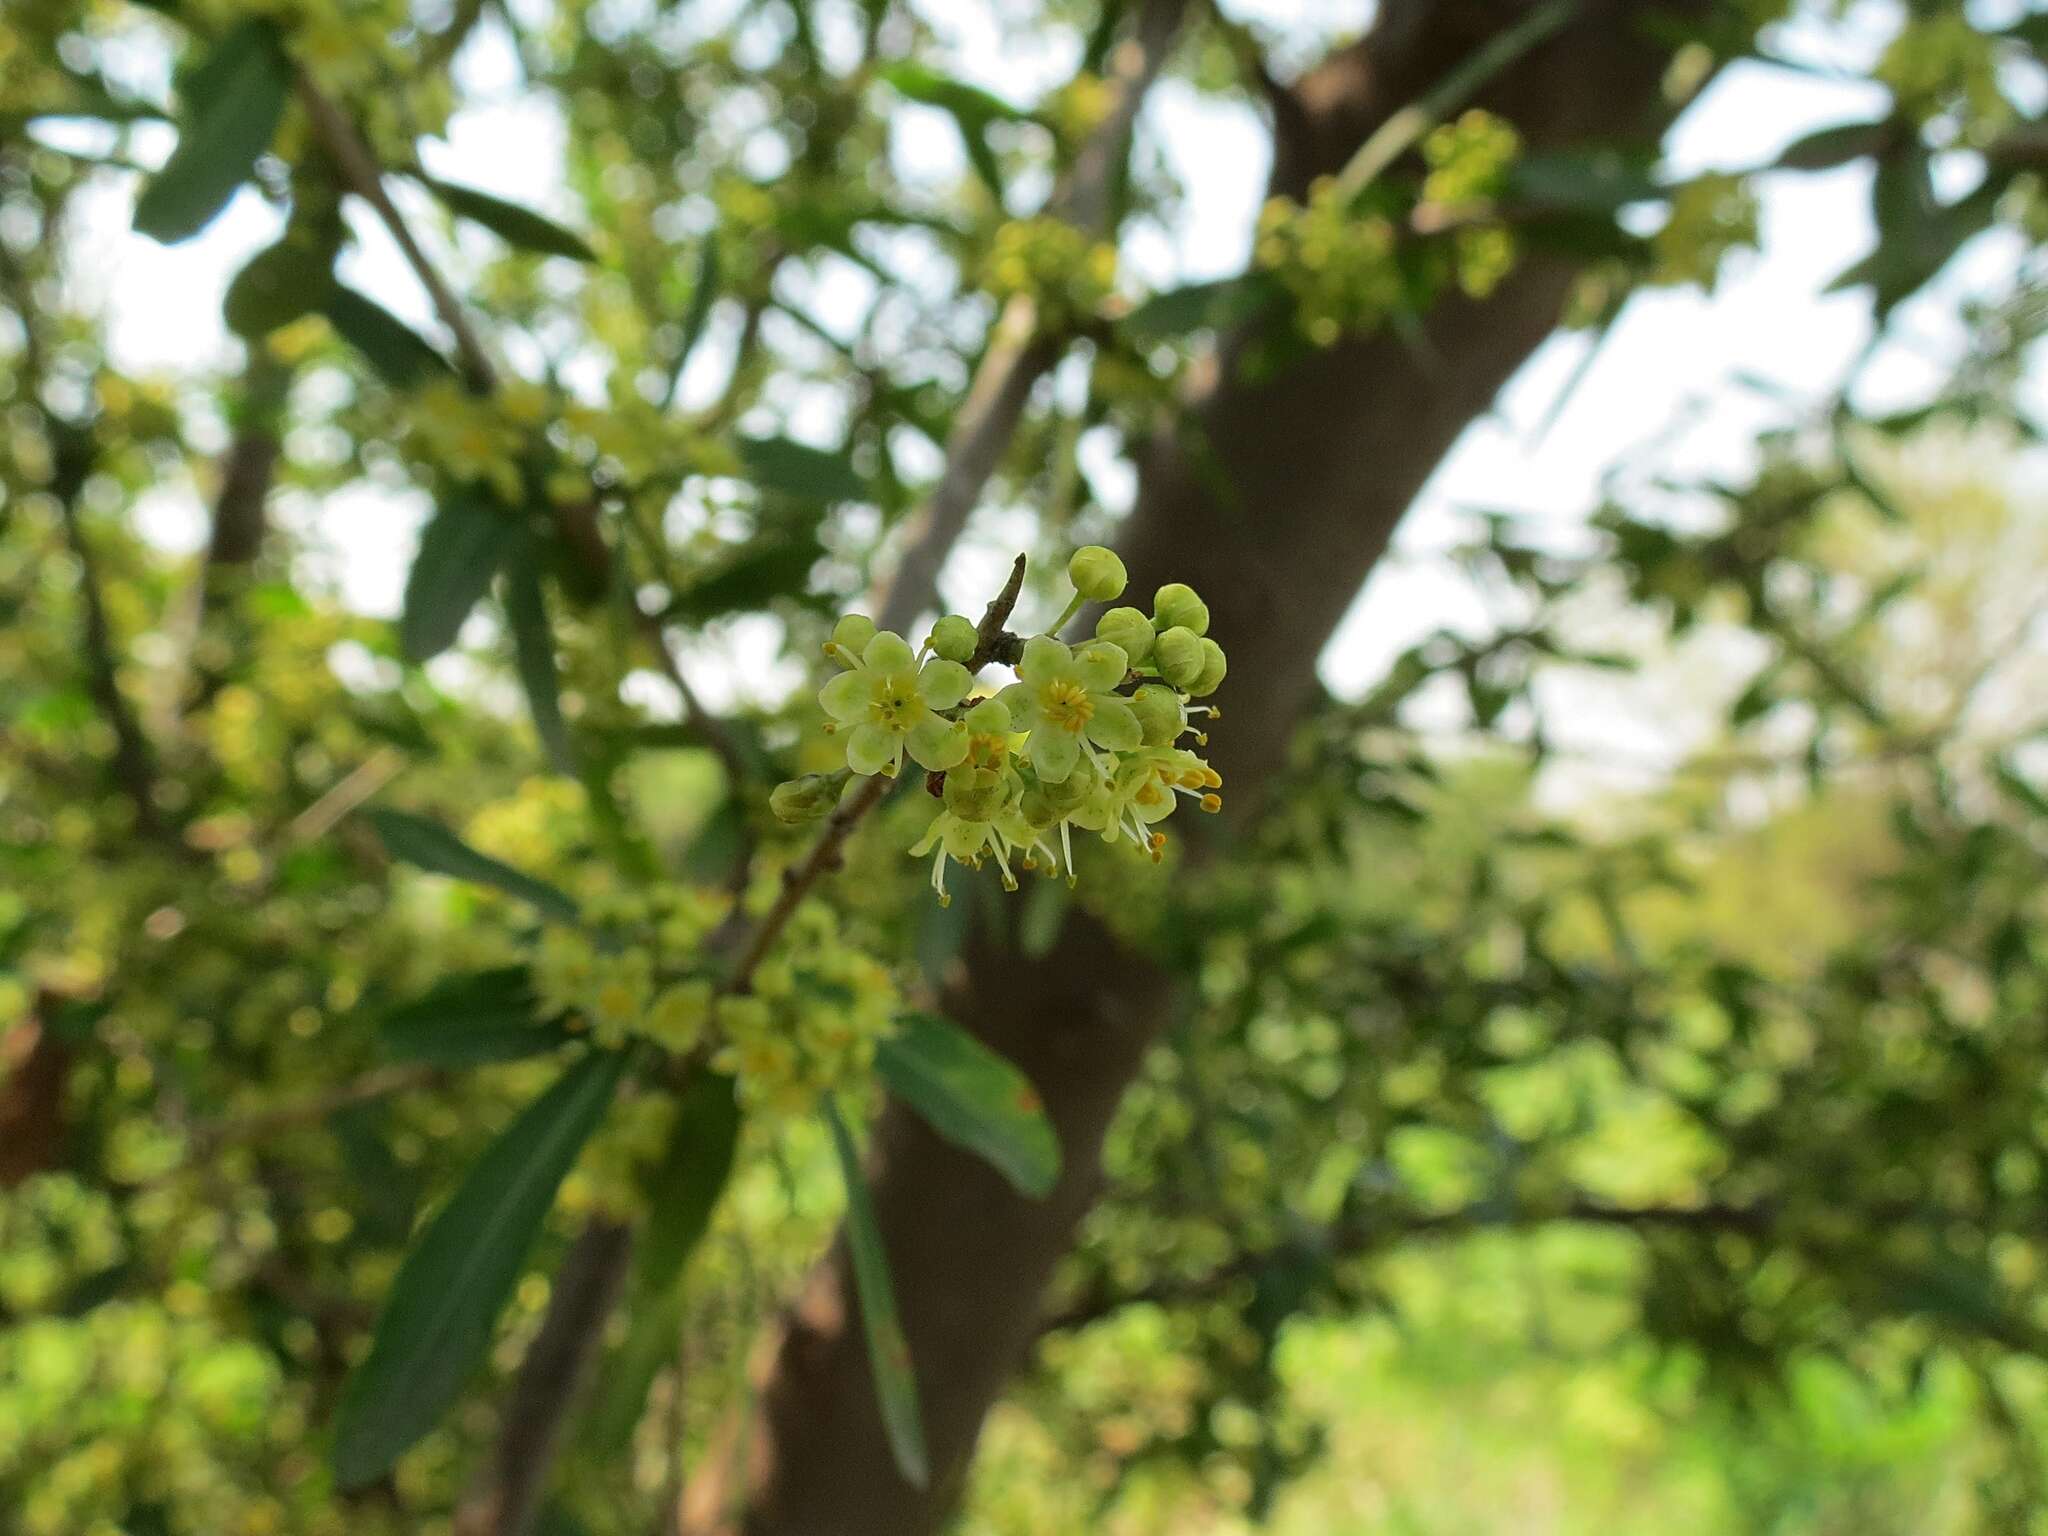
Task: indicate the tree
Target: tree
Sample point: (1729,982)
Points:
(1446,191)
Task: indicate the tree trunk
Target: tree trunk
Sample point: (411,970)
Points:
(1317,464)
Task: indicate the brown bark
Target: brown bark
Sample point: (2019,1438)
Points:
(1274,501)
(35,1065)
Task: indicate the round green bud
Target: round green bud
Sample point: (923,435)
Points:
(1178,656)
(989,718)
(1213,667)
(1159,712)
(1128,629)
(1097,574)
(806,799)
(954,638)
(850,636)
(1175,606)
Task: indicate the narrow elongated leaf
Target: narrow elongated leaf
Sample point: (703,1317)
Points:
(797,469)
(1583,181)
(973,1098)
(433,847)
(401,356)
(533,647)
(888,1350)
(279,284)
(438,1317)
(466,1021)
(971,108)
(1200,306)
(233,103)
(511,223)
(681,1191)
(683,1188)
(1839,144)
(773,565)
(460,551)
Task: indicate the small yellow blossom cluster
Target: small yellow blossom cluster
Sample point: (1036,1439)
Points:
(817,1009)
(1067,274)
(637,969)
(1941,62)
(634,969)
(1088,736)
(1347,259)
(1710,216)
(474,439)
(1339,265)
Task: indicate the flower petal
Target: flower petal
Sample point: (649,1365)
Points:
(889,652)
(870,749)
(942,684)
(1114,724)
(938,743)
(846,696)
(1100,665)
(1053,754)
(1017,699)
(1044,659)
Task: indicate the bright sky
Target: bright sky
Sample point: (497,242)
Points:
(1674,354)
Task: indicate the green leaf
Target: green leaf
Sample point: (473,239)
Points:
(533,648)
(1826,148)
(971,108)
(778,564)
(470,1020)
(401,356)
(683,1188)
(516,226)
(460,551)
(233,103)
(973,1098)
(1583,181)
(888,1350)
(432,847)
(276,286)
(797,469)
(1200,306)
(438,1317)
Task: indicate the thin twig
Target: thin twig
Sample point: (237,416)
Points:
(360,170)
(1019,353)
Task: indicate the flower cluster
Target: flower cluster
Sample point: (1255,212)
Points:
(636,970)
(1711,216)
(1087,736)
(1066,272)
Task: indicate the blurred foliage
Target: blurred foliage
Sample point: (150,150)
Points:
(1538,1144)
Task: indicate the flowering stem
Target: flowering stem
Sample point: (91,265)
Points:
(1073,607)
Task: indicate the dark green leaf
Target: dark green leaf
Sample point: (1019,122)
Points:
(516,226)
(1199,306)
(460,551)
(683,1189)
(888,1350)
(433,847)
(776,565)
(233,103)
(401,356)
(971,108)
(438,1317)
(280,283)
(533,647)
(467,1021)
(1828,147)
(797,469)
(703,294)
(973,1098)
(1584,181)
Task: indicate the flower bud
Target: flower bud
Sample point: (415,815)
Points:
(1213,668)
(1128,629)
(1097,574)
(1073,791)
(1159,711)
(1178,656)
(975,794)
(1175,606)
(806,799)
(850,636)
(954,638)
(989,718)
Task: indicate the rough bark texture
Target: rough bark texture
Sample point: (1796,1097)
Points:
(1318,464)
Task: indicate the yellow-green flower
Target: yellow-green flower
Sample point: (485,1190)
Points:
(1064,699)
(888,704)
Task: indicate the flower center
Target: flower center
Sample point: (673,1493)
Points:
(1066,705)
(895,703)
